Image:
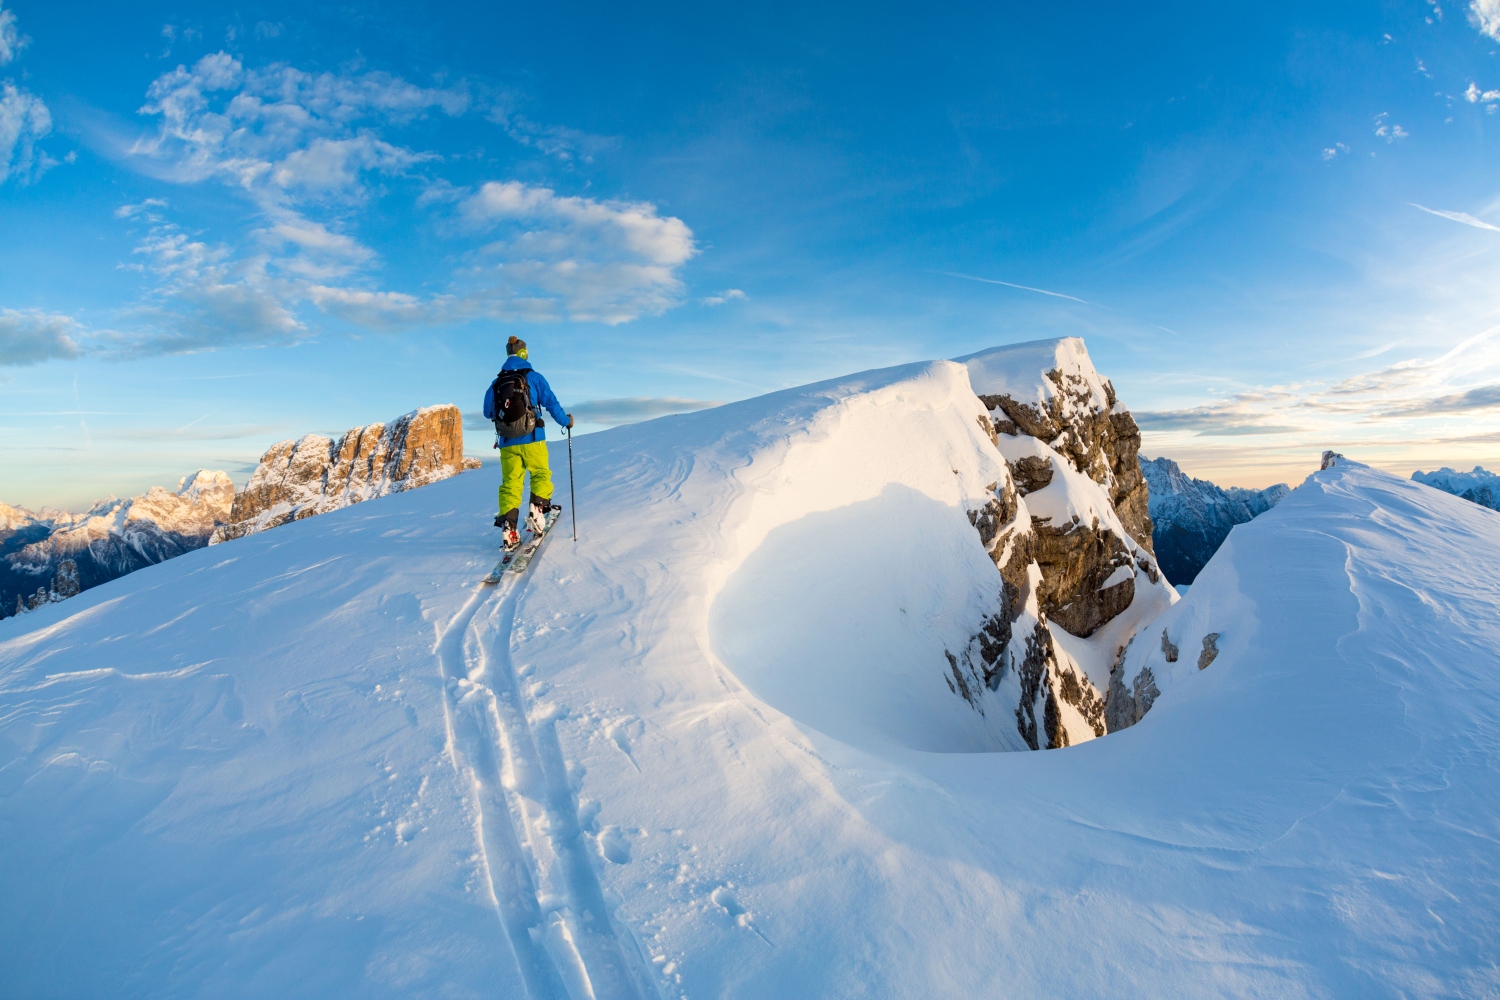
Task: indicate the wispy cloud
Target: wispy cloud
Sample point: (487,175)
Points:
(611,412)
(24,118)
(11,40)
(1450,397)
(306,150)
(1009,284)
(614,412)
(1463,217)
(727,295)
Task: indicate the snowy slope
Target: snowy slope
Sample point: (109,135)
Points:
(322,762)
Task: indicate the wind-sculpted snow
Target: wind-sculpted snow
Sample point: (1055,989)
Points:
(323,762)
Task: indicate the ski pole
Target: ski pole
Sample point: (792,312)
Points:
(572,497)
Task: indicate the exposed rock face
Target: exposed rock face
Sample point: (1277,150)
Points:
(1192,517)
(1480,486)
(1077,415)
(1070,533)
(52,555)
(297,479)
(1210,650)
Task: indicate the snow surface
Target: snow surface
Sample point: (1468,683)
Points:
(1019,371)
(322,762)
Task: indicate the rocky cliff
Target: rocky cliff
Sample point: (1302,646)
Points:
(297,479)
(1192,517)
(1070,531)
(51,555)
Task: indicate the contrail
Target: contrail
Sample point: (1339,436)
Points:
(1024,288)
(1463,217)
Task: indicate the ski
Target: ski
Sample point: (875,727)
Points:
(518,558)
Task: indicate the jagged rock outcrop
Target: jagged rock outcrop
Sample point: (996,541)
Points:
(51,555)
(1192,517)
(1480,486)
(297,479)
(1070,532)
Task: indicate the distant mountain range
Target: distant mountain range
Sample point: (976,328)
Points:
(49,555)
(1192,517)
(1479,486)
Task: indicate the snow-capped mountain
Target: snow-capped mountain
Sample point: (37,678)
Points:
(297,479)
(1480,486)
(1192,517)
(693,754)
(51,554)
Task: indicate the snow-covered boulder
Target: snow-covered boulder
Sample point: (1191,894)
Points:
(314,475)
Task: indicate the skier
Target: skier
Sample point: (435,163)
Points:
(514,401)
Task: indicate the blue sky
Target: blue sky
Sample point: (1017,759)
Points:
(221,226)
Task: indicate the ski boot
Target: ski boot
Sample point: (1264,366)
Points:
(509,536)
(536,518)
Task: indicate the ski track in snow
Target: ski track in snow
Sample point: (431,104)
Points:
(546,893)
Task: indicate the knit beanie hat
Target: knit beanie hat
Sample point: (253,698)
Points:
(515,345)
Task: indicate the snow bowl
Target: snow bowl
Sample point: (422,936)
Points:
(857,569)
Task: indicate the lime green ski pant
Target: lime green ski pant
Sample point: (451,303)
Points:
(515,461)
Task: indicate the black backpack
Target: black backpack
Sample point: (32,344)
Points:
(514,416)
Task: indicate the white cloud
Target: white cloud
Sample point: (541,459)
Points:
(24,120)
(1476,96)
(11,41)
(1388,131)
(727,295)
(28,337)
(304,150)
(1463,217)
(280,134)
(606,261)
(1485,15)
(208,298)
(1335,150)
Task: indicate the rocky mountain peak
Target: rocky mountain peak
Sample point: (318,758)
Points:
(313,475)
(1064,402)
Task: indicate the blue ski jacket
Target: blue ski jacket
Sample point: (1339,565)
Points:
(542,397)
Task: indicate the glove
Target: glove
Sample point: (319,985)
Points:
(570,420)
